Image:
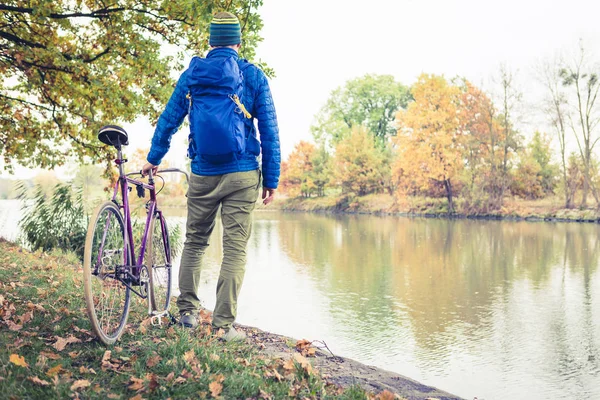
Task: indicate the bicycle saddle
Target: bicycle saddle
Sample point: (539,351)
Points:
(113,135)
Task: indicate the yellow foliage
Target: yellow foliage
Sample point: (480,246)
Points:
(429,139)
(358,165)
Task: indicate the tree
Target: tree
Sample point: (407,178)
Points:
(541,151)
(509,98)
(321,173)
(527,181)
(429,137)
(359,166)
(558,113)
(582,77)
(371,101)
(68,67)
(481,138)
(296,171)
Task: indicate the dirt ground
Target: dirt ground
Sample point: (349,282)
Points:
(344,371)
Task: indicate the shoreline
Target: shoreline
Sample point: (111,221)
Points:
(384,207)
(343,371)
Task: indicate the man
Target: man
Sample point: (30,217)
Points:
(231,182)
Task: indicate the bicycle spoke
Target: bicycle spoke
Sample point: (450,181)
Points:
(108,298)
(160,271)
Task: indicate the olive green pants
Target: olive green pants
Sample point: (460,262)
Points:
(236,193)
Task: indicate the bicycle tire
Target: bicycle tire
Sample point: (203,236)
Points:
(159,264)
(101,289)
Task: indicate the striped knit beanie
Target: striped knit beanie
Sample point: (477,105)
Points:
(225,30)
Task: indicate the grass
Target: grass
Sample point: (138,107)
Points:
(49,352)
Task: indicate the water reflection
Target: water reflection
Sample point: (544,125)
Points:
(479,308)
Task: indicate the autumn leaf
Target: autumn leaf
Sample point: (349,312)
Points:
(206,316)
(18,360)
(54,370)
(38,381)
(13,327)
(113,396)
(50,355)
(137,397)
(153,361)
(289,365)
(215,388)
(303,343)
(61,343)
(80,384)
(303,362)
(215,357)
(25,318)
(387,395)
(136,384)
(189,356)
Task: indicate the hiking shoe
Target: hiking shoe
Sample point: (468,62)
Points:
(188,320)
(234,335)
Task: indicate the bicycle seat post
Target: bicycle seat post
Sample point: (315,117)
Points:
(120,161)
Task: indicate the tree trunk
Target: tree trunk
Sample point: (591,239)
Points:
(448,186)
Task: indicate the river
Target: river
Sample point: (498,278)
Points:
(487,309)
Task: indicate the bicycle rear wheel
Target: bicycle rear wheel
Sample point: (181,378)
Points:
(159,264)
(105,262)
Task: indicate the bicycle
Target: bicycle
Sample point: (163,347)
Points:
(111,270)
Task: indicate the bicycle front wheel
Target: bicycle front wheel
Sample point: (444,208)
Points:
(159,263)
(105,263)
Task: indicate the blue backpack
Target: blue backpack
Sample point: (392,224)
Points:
(217,114)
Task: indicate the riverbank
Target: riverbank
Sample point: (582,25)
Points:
(50,352)
(549,209)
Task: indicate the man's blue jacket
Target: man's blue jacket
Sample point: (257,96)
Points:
(257,100)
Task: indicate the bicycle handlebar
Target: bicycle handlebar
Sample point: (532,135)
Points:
(187,177)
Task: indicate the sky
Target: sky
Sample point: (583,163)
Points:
(316,46)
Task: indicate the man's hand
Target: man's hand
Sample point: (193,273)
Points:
(268,195)
(146,168)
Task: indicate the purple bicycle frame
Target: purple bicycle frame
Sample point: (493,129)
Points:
(123,182)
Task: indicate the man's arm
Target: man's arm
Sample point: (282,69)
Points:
(169,122)
(269,138)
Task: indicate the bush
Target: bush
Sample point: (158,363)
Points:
(55,221)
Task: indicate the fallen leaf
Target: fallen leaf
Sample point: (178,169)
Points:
(289,365)
(38,381)
(302,343)
(13,327)
(387,395)
(80,384)
(54,370)
(18,360)
(136,384)
(25,318)
(50,355)
(215,388)
(113,396)
(74,354)
(180,379)
(61,343)
(137,397)
(85,370)
(153,361)
(152,381)
(189,356)
(215,357)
